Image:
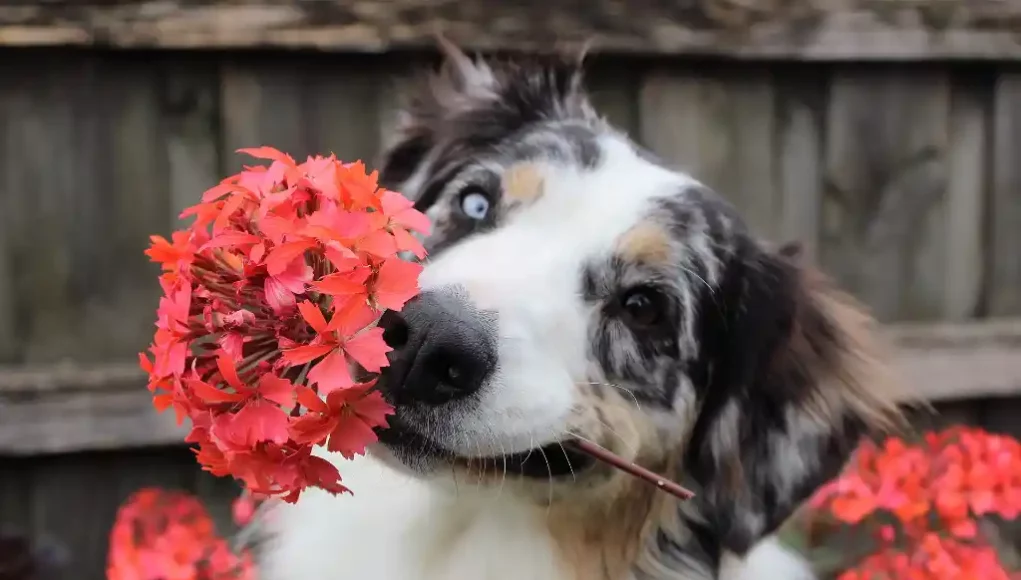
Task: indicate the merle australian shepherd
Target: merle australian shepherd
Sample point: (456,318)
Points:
(578,288)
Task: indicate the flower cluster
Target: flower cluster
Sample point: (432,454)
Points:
(266,337)
(167,535)
(923,501)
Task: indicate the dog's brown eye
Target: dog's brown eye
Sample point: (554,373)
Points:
(642,307)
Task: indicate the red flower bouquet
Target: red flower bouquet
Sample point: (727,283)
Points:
(271,296)
(921,504)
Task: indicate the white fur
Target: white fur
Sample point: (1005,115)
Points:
(529,272)
(397,527)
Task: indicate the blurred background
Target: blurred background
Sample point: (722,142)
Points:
(886,136)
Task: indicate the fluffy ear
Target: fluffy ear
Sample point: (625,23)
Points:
(460,83)
(795,380)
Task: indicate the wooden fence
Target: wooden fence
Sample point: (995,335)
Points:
(890,145)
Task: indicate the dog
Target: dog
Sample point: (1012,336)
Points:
(577,288)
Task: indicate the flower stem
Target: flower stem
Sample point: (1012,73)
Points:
(618,462)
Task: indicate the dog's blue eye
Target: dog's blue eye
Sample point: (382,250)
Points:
(475,204)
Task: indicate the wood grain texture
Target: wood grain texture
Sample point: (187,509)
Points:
(803,29)
(1004,296)
(84,184)
(885,183)
(966,196)
(800,102)
(613,86)
(719,127)
(191,124)
(312,106)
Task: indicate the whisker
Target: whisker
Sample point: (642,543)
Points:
(549,470)
(619,388)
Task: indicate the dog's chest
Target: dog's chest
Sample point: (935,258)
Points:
(395,528)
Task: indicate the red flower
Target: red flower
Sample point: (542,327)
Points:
(164,535)
(936,490)
(274,290)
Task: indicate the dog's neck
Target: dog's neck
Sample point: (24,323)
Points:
(396,527)
(624,529)
(639,532)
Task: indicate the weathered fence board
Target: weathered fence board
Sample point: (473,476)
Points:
(800,29)
(310,106)
(903,181)
(1005,279)
(965,201)
(719,127)
(84,185)
(884,189)
(799,138)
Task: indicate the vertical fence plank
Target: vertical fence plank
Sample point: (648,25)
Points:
(720,128)
(966,200)
(191,102)
(613,87)
(311,106)
(884,203)
(87,183)
(1004,297)
(800,100)
(10,203)
(76,497)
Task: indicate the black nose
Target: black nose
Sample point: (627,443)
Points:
(443,349)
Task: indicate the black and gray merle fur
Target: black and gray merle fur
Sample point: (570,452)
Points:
(737,368)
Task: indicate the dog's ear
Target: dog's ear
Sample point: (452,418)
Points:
(795,379)
(431,98)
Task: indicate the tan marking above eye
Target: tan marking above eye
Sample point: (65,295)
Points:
(646,243)
(523,182)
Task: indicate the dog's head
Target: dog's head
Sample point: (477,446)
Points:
(578,289)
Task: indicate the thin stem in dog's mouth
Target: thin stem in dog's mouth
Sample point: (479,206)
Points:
(618,462)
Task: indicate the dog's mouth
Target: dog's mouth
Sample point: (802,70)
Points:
(556,459)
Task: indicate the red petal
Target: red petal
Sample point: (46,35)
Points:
(368,349)
(278,296)
(218,191)
(313,316)
(373,409)
(277,389)
(232,204)
(352,282)
(312,429)
(331,373)
(280,258)
(310,400)
(210,394)
(323,474)
(350,437)
(408,243)
(378,243)
(257,422)
(228,370)
(352,316)
(303,354)
(145,363)
(396,283)
(226,239)
(265,152)
(402,212)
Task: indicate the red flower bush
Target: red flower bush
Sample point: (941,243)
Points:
(166,535)
(922,502)
(271,297)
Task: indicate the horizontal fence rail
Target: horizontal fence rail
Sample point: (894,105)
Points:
(799,29)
